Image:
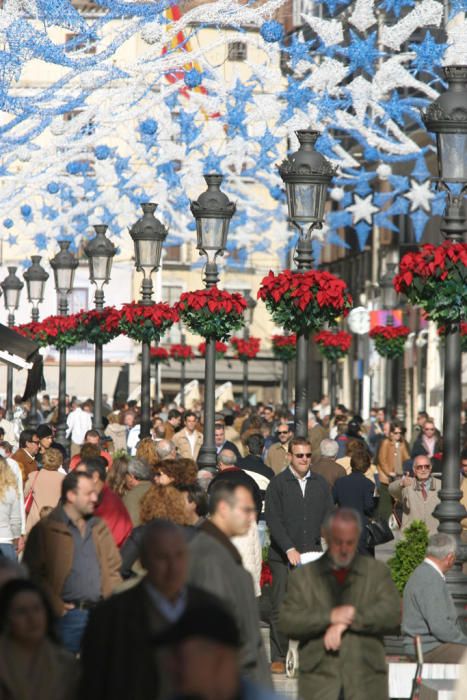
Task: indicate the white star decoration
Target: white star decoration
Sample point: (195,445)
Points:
(419,195)
(362,209)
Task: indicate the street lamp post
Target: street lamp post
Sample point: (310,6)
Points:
(447,118)
(213,212)
(64,265)
(182,367)
(306,174)
(100,253)
(250,310)
(389,302)
(35,277)
(148,235)
(12,287)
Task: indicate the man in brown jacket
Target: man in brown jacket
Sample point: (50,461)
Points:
(72,555)
(277,457)
(189,440)
(326,464)
(26,455)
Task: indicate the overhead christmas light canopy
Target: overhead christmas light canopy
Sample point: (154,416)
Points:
(306,175)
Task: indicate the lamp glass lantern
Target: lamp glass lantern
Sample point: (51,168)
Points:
(35,277)
(148,235)
(306,175)
(100,252)
(250,306)
(389,295)
(212,211)
(447,118)
(12,287)
(64,265)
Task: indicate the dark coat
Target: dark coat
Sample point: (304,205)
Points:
(356,491)
(418,447)
(216,567)
(294,520)
(118,657)
(360,666)
(238,476)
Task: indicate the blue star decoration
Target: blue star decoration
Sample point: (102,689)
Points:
(12,240)
(41,241)
(295,97)
(362,54)
(396,6)
(428,55)
(212,163)
(298,50)
(331,5)
(456,7)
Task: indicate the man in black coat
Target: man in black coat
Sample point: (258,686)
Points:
(119,660)
(254,466)
(297,503)
(222,443)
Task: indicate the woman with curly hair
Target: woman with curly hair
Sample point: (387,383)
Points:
(10,511)
(116,476)
(146,451)
(176,472)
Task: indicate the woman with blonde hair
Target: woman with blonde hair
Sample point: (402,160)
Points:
(116,476)
(45,484)
(116,431)
(10,511)
(146,451)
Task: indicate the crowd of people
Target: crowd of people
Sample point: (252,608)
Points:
(128,572)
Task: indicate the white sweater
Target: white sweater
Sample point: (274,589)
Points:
(249,547)
(10,516)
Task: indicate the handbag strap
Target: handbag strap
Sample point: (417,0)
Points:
(34,482)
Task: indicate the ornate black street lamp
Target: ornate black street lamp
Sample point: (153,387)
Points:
(389,299)
(148,235)
(12,287)
(35,277)
(306,174)
(212,211)
(250,310)
(64,265)
(100,252)
(447,118)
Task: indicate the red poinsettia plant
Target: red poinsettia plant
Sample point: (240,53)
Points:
(181,353)
(333,345)
(284,347)
(435,278)
(463,329)
(389,340)
(221,349)
(99,326)
(146,323)
(159,355)
(246,349)
(60,331)
(302,302)
(266,575)
(212,313)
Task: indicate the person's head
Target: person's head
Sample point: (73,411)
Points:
(190,421)
(137,471)
(196,502)
(204,478)
(396,431)
(52,459)
(79,494)
(226,459)
(442,548)
(25,614)
(342,532)
(340,410)
(116,475)
(268,413)
(300,455)
(176,472)
(46,435)
(204,658)
(166,449)
(29,441)
(96,468)
(129,419)
(92,437)
(255,444)
(45,511)
(231,507)
(329,448)
(312,419)
(429,430)
(360,460)
(381,415)
(464,462)
(284,432)
(7,479)
(147,451)
(89,451)
(174,417)
(422,417)
(219,434)
(6,449)
(164,555)
(422,467)
(163,502)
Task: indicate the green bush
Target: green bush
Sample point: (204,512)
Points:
(410,552)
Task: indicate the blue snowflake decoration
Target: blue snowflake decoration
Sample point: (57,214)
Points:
(362,54)
(148,127)
(193,78)
(53,187)
(8,223)
(272,31)
(396,6)
(102,152)
(428,54)
(26,211)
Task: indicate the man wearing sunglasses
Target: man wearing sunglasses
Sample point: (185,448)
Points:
(297,503)
(277,455)
(418,494)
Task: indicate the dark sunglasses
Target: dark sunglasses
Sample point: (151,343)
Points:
(301,454)
(283,432)
(422,466)
(157,474)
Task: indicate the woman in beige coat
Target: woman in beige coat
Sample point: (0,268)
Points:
(392,454)
(46,485)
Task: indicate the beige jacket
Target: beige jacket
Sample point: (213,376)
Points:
(183,445)
(46,486)
(414,507)
(277,457)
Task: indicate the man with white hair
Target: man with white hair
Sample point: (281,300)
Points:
(326,464)
(419,495)
(429,610)
(166,449)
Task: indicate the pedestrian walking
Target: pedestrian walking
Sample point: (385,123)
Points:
(43,487)
(10,511)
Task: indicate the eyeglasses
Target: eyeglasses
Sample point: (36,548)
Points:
(34,442)
(283,432)
(397,432)
(422,466)
(157,474)
(300,455)
(428,430)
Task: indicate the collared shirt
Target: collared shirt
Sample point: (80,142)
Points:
(171,611)
(435,567)
(84,580)
(191,437)
(301,481)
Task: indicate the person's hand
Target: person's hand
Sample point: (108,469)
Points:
(343,615)
(333,637)
(19,544)
(406,480)
(294,557)
(67,607)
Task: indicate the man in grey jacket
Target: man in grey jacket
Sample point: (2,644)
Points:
(429,610)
